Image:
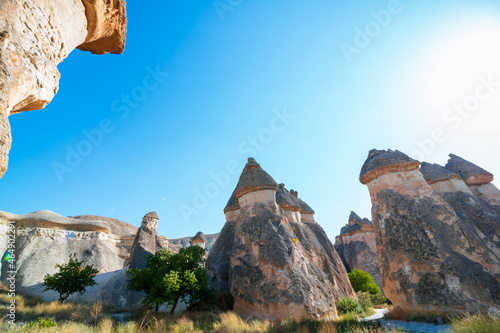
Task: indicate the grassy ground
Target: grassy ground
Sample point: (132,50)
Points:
(73,317)
(84,318)
(485,322)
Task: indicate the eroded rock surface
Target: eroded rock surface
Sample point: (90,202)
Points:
(431,258)
(476,178)
(271,265)
(357,247)
(45,239)
(35,36)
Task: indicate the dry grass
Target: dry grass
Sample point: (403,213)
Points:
(85,318)
(484,323)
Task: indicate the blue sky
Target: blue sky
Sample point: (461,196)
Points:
(203,85)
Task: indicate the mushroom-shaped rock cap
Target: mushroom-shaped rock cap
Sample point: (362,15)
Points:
(254,178)
(381,162)
(286,200)
(305,208)
(436,173)
(151,215)
(355,219)
(232,203)
(199,237)
(470,173)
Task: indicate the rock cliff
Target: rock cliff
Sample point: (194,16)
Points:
(45,239)
(35,36)
(357,247)
(270,263)
(432,258)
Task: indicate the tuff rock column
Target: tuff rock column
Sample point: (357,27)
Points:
(269,263)
(429,265)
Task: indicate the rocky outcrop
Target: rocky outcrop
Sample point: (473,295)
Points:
(144,242)
(357,247)
(431,257)
(269,263)
(35,36)
(176,244)
(44,239)
(480,218)
(476,178)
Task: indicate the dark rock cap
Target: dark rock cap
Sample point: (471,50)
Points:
(380,162)
(254,178)
(305,208)
(286,200)
(152,215)
(355,219)
(232,203)
(470,173)
(200,236)
(436,173)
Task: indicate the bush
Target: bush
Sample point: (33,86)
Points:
(49,322)
(378,299)
(348,305)
(362,281)
(365,300)
(71,278)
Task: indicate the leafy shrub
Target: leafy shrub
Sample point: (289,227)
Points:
(362,281)
(49,322)
(348,305)
(365,300)
(71,278)
(378,299)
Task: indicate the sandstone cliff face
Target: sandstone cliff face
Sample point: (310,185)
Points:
(35,36)
(357,247)
(45,239)
(271,264)
(431,258)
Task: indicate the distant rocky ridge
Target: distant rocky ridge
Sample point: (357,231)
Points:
(268,261)
(357,247)
(177,243)
(45,239)
(35,36)
(437,230)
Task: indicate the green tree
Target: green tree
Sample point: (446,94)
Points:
(71,278)
(168,278)
(362,281)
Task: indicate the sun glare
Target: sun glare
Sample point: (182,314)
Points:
(463,64)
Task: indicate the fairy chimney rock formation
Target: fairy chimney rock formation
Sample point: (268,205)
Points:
(199,239)
(232,208)
(289,203)
(145,241)
(35,36)
(432,259)
(476,178)
(357,247)
(269,264)
(442,180)
(255,185)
